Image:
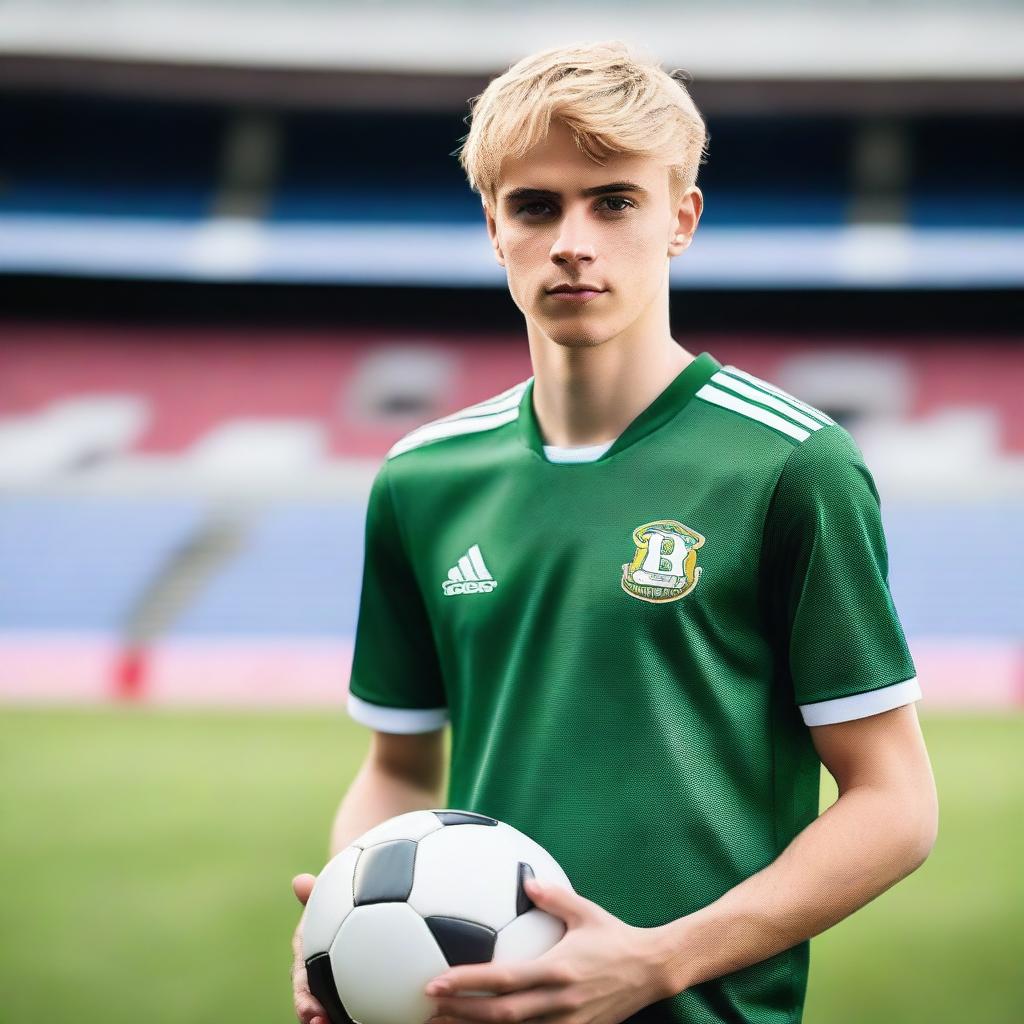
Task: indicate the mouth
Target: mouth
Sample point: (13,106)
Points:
(575,293)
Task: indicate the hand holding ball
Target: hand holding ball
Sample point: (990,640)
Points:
(420,893)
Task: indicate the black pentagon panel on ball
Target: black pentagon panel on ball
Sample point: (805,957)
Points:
(464,818)
(463,942)
(384,873)
(320,978)
(523,902)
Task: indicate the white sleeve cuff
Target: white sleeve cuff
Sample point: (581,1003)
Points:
(402,720)
(861,705)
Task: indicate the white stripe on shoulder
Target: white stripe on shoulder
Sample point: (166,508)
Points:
(779,393)
(498,403)
(441,431)
(495,412)
(861,705)
(727,400)
(402,720)
(746,391)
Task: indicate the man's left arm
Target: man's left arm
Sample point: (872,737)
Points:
(880,829)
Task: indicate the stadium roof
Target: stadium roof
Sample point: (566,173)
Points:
(734,39)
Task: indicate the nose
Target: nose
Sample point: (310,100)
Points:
(573,244)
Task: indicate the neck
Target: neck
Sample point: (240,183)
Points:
(589,394)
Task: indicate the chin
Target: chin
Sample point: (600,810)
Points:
(579,334)
(578,340)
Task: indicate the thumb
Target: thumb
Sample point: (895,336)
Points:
(559,900)
(302,886)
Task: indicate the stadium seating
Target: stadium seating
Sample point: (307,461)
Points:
(192,191)
(203,496)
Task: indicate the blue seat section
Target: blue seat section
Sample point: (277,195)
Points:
(298,573)
(954,570)
(82,563)
(63,199)
(87,155)
(775,171)
(366,204)
(966,172)
(399,167)
(114,157)
(373,166)
(736,208)
(989,208)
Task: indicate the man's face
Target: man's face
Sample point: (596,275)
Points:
(551,227)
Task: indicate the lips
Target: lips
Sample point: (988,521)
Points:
(558,289)
(575,295)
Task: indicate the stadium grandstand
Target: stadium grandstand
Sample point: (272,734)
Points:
(239,260)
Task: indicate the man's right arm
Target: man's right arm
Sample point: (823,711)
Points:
(396,678)
(401,772)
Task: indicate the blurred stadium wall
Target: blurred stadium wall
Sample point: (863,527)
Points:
(237,261)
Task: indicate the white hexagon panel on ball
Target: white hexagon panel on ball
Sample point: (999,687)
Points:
(472,872)
(329,903)
(383,958)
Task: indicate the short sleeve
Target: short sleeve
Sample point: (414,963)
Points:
(825,571)
(396,683)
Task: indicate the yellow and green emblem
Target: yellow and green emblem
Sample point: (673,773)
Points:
(664,567)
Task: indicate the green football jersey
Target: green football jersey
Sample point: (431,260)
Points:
(630,650)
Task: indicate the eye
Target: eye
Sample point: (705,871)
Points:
(619,199)
(530,206)
(541,206)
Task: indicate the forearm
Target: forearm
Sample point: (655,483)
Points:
(856,850)
(374,796)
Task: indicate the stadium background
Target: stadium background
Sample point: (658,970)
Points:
(238,260)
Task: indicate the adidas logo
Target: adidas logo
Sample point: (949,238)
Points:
(469,575)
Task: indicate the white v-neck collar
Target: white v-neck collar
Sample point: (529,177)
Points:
(579,453)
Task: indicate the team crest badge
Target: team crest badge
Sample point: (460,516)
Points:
(664,567)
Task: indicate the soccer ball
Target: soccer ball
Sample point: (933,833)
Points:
(419,893)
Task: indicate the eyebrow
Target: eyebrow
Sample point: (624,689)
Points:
(519,194)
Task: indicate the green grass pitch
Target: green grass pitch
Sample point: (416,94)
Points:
(147,858)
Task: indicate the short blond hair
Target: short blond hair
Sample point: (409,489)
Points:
(613,99)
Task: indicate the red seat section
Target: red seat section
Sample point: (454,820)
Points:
(365,389)
(934,375)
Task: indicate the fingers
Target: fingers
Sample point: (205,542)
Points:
(524,1006)
(309,1011)
(307,1008)
(302,886)
(501,978)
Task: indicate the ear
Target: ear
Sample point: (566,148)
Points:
(684,224)
(492,231)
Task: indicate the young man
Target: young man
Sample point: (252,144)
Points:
(647,591)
